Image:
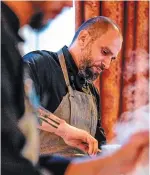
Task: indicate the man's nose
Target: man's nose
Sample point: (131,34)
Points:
(106,63)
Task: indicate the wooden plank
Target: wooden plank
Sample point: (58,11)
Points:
(128,84)
(110,81)
(141,51)
(79,13)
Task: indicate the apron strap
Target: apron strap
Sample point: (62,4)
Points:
(64,70)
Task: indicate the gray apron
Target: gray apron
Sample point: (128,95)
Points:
(76,108)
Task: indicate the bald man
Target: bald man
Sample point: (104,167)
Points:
(18,120)
(64,84)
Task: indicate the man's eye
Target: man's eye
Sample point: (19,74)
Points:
(104,52)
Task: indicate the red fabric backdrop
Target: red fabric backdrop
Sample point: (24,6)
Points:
(125,85)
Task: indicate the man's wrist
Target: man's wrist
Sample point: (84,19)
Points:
(62,129)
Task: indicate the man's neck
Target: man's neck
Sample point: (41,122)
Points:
(75,55)
(22,9)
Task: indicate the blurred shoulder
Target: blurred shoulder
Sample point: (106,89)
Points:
(40,56)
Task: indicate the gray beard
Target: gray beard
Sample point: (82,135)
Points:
(85,68)
(88,74)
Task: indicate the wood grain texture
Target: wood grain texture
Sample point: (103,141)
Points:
(111,79)
(91,9)
(141,54)
(79,13)
(128,83)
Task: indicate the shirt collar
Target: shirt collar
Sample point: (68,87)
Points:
(73,69)
(71,65)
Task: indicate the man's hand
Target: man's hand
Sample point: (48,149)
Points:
(72,136)
(78,138)
(121,162)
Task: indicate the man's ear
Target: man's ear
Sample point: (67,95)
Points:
(84,38)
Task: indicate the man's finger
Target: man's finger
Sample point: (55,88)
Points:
(95,146)
(90,144)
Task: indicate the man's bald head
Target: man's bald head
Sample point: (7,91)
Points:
(97,26)
(96,43)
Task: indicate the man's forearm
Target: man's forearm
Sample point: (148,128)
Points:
(51,123)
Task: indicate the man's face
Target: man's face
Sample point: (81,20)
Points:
(46,11)
(97,55)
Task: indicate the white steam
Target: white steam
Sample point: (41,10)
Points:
(137,64)
(136,88)
(131,123)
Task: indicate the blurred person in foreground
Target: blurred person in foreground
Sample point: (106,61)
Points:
(19,137)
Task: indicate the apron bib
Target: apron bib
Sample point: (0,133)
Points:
(76,108)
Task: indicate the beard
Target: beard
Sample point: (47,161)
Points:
(86,70)
(85,66)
